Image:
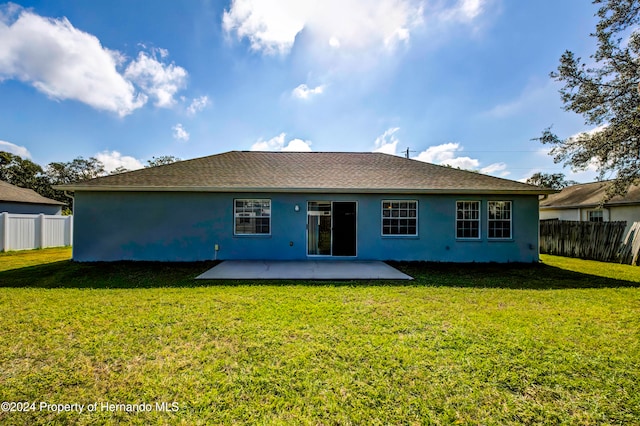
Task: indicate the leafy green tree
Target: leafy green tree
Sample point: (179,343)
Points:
(162,160)
(606,93)
(555,181)
(77,170)
(22,172)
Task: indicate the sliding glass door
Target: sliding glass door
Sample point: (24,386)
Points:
(319,228)
(331,228)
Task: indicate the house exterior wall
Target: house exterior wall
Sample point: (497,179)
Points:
(560,214)
(584,214)
(29,208)
(630,214)
(183,226)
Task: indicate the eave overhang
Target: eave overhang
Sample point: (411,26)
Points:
(455,191)
(591,205)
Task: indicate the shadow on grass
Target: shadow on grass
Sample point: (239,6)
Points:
(512,275)
(69,274)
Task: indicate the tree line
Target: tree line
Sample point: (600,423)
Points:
(25,173)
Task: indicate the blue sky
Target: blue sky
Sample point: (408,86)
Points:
(459,82)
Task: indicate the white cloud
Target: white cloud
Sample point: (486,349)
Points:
(547,165)
(198,104)
(159,80)
(271,26)
(446,154)
(590,132)
(387,143)
(274,26)
(465,163)
(179,133)
(534,95)
(304,92)
(162,52)
(278,143)
(437,154)
(499,169)
(66,63)
(463,11)
(589,174)
(15,149)
(113,159)
(298,145)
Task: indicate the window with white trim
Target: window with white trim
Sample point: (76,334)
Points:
(468,219)
(595,216)
(499,219)
(252,217)
(399,217)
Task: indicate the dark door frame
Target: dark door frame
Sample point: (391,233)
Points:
(349,245)
(344,230)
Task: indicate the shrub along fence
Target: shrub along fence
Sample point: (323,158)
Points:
(586,240)
(31,231)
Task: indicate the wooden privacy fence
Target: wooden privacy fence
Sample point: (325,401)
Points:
(31,231)
(585,240)
(630,249)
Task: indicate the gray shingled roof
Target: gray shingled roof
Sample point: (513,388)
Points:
(588,195)
(15,194)
(242,171)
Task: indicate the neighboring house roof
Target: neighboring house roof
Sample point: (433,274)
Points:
(253,171)
(589,195)
(15,194)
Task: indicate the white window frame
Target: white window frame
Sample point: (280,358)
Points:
(495,220)
(477,220)
(600,214)
(399,217)
(251,213)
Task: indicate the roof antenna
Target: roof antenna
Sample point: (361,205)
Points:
(406,153)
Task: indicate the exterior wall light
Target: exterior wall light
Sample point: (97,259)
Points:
(296,208)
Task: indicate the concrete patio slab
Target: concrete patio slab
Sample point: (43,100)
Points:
(302,270)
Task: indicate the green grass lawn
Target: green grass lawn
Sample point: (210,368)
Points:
(554,343)
(23,259)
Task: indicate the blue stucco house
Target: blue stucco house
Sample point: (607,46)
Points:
(304,205)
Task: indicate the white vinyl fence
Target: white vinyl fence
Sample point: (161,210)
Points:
(32,231)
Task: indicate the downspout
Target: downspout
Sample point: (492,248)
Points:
(73,201)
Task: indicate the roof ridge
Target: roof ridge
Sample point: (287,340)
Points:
(345,171)
(311,152)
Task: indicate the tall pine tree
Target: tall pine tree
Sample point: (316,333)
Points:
(606,93)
